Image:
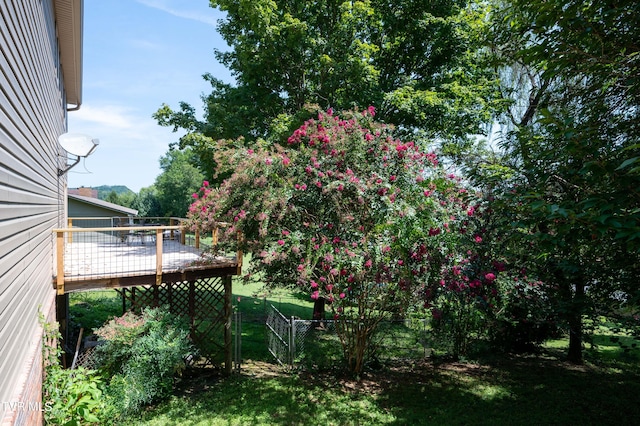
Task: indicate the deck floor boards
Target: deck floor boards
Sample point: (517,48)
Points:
(100,260)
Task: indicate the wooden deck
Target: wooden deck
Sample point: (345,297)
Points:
(104,258)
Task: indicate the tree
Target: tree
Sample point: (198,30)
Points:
(112,197)
(343,211)
(146,202)
(178,180)
(569,192)
(418,63)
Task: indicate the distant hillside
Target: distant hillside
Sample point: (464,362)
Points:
(105,190)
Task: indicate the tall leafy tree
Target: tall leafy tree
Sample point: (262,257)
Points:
(177,182)
(146,202)
(417,62)
(570,191)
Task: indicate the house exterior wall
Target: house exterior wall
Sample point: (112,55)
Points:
(78,209)
(32,197)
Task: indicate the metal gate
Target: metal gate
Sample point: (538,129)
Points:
(286,336)
(279,337)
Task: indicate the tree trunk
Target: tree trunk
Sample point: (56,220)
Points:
(318,312)
(575,325)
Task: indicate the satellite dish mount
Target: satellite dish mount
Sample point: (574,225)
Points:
(77,144)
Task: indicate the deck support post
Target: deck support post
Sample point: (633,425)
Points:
(228,352)
(62,316)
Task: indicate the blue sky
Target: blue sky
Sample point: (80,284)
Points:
(139,54)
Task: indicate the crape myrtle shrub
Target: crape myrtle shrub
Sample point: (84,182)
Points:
(351,214)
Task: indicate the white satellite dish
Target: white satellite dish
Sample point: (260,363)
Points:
(78,144)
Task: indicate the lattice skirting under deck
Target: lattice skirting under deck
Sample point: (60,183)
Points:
(205,302)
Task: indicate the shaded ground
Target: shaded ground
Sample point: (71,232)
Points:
(515,390)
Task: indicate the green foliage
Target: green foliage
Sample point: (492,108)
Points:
(142,354)
(419,63)
(568,206)
(147,203)
(339,212)
(524,317)
(90,310)
(179,179)
(71,397)
(458,321)
(74,397)
(119,190)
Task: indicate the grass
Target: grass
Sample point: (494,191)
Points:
(90,310)
(538,389)
(516,390)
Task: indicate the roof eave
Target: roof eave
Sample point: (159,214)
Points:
(69,24)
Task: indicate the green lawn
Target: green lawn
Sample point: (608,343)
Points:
(518,390)
(498,390)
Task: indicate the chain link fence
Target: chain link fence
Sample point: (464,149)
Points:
(295,342)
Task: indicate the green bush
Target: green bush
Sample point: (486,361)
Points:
(524,317)
(71,397)
(142,354)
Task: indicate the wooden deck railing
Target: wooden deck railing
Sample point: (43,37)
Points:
(130,247)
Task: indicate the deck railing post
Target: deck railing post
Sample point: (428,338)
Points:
(239,255)
(158,256)
(197,243)
(70,225)
(60,262)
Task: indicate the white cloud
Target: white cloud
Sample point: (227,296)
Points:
(146,44)
(109,115)
(178,9)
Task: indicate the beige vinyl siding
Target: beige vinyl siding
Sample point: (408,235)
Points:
(32,115)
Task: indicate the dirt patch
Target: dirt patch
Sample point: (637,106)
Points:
(262,369)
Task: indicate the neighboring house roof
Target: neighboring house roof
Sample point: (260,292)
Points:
(69,27)
(104,204)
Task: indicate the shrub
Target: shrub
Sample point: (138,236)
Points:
(524,317)
(142,354)
(71,397)
(343,212)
